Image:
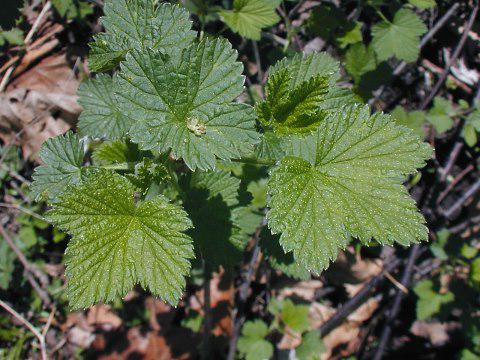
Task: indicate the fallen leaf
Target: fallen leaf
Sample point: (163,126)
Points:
(102,316)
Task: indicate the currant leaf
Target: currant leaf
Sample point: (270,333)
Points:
(139,24)
(101,116)
(300,92)
(210,203)
(345,180)
(186,105)
(249,17)
(399,38)
(63,159)
(117,243)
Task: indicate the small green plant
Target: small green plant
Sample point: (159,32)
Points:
(167,184)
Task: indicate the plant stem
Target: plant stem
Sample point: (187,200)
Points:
(253,161)
(207,320)
(33,329)
(384,18)
(119,166)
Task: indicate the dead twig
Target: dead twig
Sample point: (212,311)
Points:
(452,59)
(29,268)
(460,202)
(406,278)
(238,314)
(29,326)
(354,303)
(455,181)
(28,38)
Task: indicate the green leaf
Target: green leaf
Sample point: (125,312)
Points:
(346,180)
(295,111)
(72,9)
(210,203)
(311,347)
(475,272)
(413,120)
(440,115)
(140,25)
(249,17)
(279,260)
(326,20)
(299,93)
(360,60)
(7,266)
(295,316)
(438,247)
(252,343)
(470,135)
(474,119)
(423,4)
(63,158)
(117,151)
(186,105)
(117,243)
(429,300)
(101,116)
(351,36)
(13,36)
(399,38)
(270,147)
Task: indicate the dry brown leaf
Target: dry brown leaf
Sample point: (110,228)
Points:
(101,315)
(304,289)
(290,340)
(221,300)
(434,331)
(352,269)
(39,104)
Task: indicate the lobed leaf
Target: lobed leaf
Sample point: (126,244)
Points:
(345,180)
(101,116)
(63,159)
(186,106)
(117,243)
(399,38)
(249,17)
(140,25)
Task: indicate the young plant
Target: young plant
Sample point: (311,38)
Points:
(166,186)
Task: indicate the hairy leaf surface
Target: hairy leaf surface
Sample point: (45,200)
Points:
(300,92)
(187,107)
(249,17)
(139,24)
(63,159)
(101,116)
(117,243)
(346,180)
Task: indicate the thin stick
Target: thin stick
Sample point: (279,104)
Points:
(27,40)
(455,181)
(452,59)
(207,312)
(29,267)
(353,304)
(22,209)
(33,329)
(238,315)
(37,22)
(451,160)
(459,203)
(406,278)
(258,62)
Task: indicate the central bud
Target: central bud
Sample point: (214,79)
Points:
(195,126)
